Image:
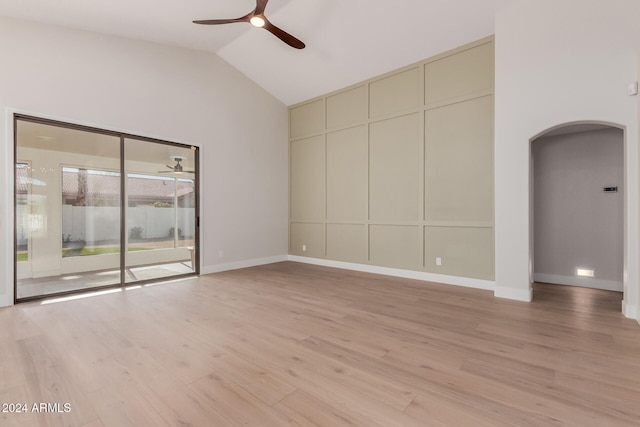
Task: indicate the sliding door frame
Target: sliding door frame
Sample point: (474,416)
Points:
(123,206)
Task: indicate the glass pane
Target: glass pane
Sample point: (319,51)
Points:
(90,194)
(23,188)
(67,209)
(186,190)
(160,210)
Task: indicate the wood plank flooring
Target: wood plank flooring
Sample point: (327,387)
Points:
(290,344)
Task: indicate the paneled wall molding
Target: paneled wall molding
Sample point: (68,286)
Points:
(431,106)
(480,94)
(397,172)
(478,224)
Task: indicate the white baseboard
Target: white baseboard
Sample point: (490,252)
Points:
(210,269)
(466,282)
(585,282)
(6,300)
(630,311)
(525,295)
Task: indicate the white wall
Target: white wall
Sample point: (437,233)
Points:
(560,62)
(158,91)
(577,224)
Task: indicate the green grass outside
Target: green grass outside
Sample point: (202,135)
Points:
(22,256)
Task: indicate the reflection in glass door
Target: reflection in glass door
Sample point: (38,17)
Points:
(161,210)
(97,209)
(67,209)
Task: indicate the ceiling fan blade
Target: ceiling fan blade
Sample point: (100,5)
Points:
(170,167)
(259,20)
(222,21)
(261,5)
(283,35)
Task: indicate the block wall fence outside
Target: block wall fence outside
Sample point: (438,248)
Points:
(398,170)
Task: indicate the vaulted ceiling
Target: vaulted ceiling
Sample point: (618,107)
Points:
(347,40)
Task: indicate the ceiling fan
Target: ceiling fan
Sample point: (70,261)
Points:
(257,19)
(178,167)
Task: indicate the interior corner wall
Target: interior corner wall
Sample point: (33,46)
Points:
(156,91)
(557,63)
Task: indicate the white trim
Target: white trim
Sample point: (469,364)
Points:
(6,300)
(7,213)
(466,282)
(630,311)
(514,293)
(210,269)
(585,282)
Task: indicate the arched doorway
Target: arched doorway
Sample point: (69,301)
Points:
(577,206)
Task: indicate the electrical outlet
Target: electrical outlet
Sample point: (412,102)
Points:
(304,248)
(438,261)
(220,254)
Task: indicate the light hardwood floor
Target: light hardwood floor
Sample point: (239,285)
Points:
(294,344)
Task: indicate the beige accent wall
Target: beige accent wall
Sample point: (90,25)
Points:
(398,170)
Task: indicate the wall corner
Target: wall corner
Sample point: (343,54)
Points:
(525,295)
(630,311)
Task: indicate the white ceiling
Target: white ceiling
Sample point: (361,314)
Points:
(347,40)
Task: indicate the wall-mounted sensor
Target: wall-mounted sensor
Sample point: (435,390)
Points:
(632,89)
(610,189)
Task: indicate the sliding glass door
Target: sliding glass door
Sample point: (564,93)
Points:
(161,205)
(96,209)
